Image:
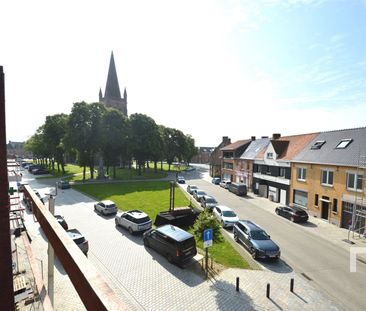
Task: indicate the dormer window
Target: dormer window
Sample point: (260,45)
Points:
(269,155)
(318,144)
(344,143)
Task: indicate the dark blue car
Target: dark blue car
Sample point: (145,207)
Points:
(256,240)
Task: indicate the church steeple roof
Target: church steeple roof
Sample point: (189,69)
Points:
(112,87)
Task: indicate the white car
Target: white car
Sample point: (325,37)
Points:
(225,183)
(134,221)
(225,215)
(105,207)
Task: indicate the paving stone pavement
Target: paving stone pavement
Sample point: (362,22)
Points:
(146,281)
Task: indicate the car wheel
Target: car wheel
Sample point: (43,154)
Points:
(116,221)
(222,223)
(277,212)
(254,253)
(236,237)
(146,243)
(130,230)
(170,258)
(292,219)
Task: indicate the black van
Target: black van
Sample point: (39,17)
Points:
(175,244)
(238,189)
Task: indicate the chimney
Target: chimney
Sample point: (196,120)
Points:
(276,135)
(226,140)
(253,138)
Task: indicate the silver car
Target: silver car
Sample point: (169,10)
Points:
(134,221)
(105,207)
(79,240)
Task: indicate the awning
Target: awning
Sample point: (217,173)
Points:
(324,200)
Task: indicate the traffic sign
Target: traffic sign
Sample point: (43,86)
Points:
(207,238)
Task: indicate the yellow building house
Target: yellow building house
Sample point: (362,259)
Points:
(328,178)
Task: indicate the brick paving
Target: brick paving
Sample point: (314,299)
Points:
(146,281)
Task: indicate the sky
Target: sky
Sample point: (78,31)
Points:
(208,68)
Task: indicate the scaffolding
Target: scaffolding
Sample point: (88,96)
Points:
(359,205)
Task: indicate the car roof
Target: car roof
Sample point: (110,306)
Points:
(224,208)
(174,232)
(74,233)
(208,197)
(251,225)
(193,186)
(137,214)
(107,202)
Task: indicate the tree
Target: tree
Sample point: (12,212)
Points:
(85,133)
(54,132)
(116,133)
(205,221)
(143,131)
(37,146)
(190,150)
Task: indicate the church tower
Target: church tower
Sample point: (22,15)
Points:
(112,95)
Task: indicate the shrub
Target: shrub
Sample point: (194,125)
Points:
(206,221)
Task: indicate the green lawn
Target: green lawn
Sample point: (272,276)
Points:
(152,198)
(224,254)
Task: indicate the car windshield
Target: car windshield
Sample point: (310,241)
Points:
(200,192)
(228,214)
(110,206)
(259,235)
(142,220)
(211,200)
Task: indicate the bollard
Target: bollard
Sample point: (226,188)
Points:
(237,284)
(268,290)
(292,285)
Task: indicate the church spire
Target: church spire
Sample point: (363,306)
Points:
(100,95)
(112,87)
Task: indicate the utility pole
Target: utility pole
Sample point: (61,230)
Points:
(6,273)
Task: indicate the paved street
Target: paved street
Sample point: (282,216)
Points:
(146,281)
(315,250)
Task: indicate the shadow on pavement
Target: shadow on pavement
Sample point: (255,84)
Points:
(278,266)
(308,224)
(226,293)
(189,275)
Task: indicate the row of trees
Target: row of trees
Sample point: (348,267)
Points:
(92,131)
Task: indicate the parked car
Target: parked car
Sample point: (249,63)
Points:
(238,189)
(40,171)
(256,240)
(105,207)
(198,194)
(32,167)
(225,215)
(79,239)
(61,220)
(21,186)
(134,221)
(216,180)
(208,201)
(181,180)
(225,183)
(63,184)
(191,188)
(175,244)
(295,214)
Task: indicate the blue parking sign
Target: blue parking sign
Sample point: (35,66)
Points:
(207,238)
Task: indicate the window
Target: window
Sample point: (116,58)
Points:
(269,155)
(318,144)
(301,198)
(327,177)
(282,172)
(335,205)
(354,181)
(301,173)
(344,143)
(316,203)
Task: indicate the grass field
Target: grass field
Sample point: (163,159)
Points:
(152,198)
